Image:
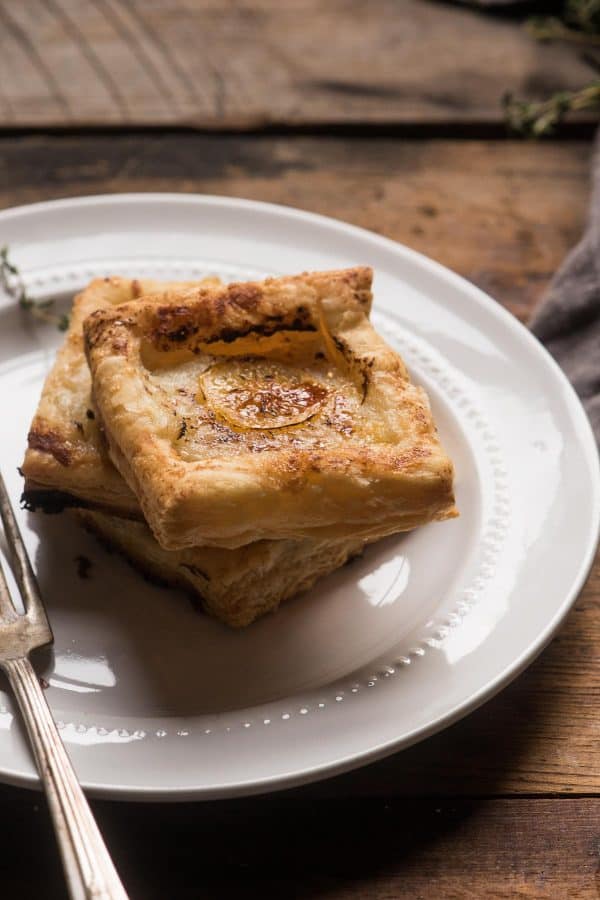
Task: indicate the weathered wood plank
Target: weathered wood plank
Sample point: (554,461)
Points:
(503,214)
(345,850)
(255,62)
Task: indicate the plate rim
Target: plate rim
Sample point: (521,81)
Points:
(511,671)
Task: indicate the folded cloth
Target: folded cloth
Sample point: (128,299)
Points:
(568,319)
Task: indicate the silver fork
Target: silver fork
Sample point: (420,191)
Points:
(89,870)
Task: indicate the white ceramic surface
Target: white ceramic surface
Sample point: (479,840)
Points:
(156,701)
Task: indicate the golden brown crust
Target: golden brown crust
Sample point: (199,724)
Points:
(366,461)
(67,461)
(234,586)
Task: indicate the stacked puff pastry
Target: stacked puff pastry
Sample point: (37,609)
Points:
(238,440)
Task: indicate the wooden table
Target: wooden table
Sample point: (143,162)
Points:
(386,115)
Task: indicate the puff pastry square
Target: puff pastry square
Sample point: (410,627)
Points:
(234,586)
(66,462)
(266,410)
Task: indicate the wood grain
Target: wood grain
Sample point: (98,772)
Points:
(294,847)
(504,214)
(241,64)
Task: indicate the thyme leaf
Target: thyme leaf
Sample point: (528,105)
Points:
(537,119)
(11,282)
(576,21)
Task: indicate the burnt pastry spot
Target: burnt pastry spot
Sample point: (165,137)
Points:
(48,441)
(272,325)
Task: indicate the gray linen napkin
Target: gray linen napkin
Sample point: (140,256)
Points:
(568,319)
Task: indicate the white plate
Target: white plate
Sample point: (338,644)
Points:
(156,701)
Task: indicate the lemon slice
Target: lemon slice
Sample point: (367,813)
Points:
(252,392)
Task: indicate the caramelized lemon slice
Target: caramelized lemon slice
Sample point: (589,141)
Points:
(252,392)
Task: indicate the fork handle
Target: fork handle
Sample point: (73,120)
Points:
(89,870)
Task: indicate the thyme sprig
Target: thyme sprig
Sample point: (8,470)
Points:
(537,119)
(576,21)
(11,281)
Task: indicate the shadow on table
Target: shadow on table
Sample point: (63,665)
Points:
(340,837)
(270,847)
(402,817)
